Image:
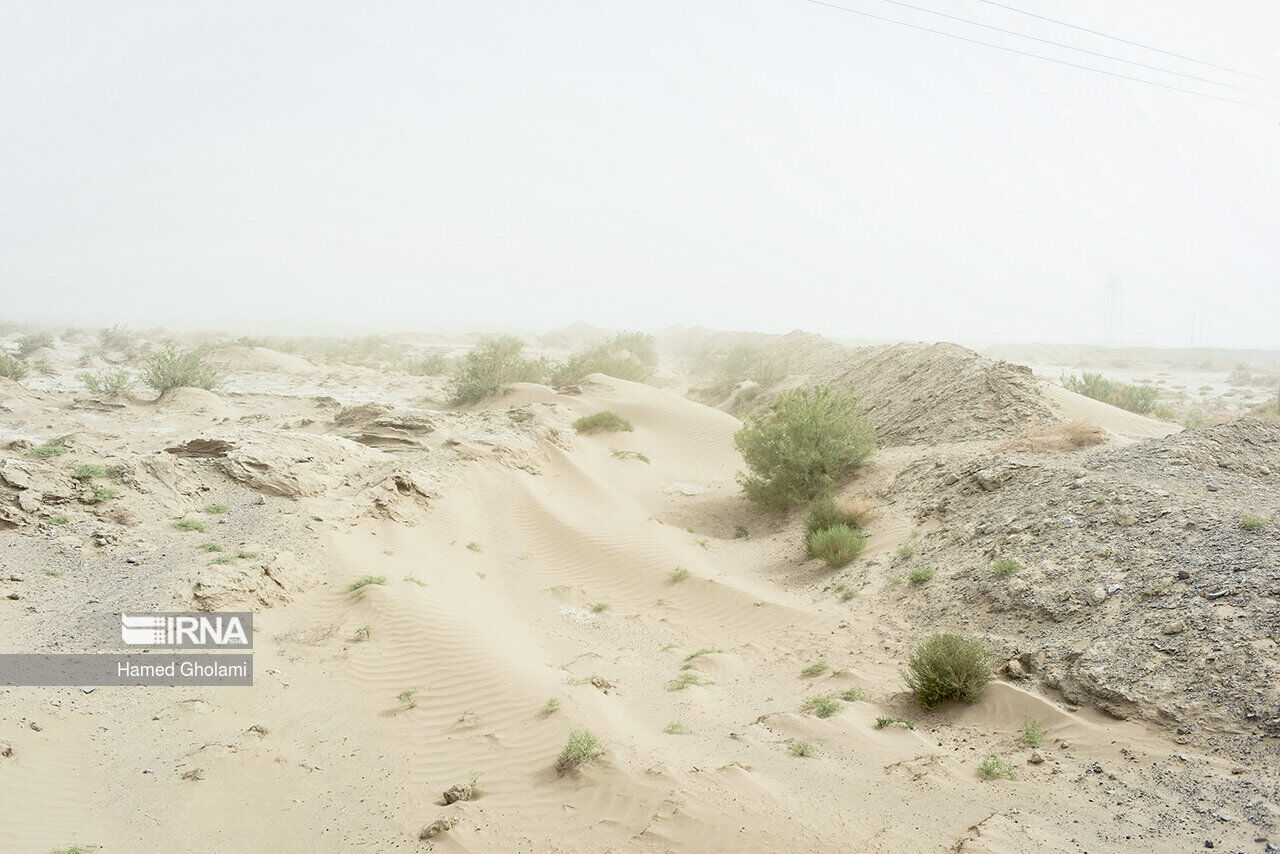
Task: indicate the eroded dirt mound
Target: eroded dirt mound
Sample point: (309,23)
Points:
(1141,588)
(917,393)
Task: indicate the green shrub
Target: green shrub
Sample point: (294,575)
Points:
(583,748)
(822,706)
(1135,398)
(190,525)
(827,512)
(14,369)
(685,678)
(1005,566)
(552,706)
(55,447)
(837,545)
(173,367)
(433,365)
(906,550)
(921,574)
(995,768)
(947,666)
(816,669)
(1031,732)
(740,532)
(1253,523)
(854,694)
(803,749)
(491,368)
(214,509)
(88,471)
(210,547)
(107,381)
(102,494)
(801,446)
(28,344)
(627,356)
(602,422)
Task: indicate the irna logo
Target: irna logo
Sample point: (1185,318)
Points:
(188,630)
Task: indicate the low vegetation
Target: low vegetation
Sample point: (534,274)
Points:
(803,749)
(1135,398)
(364,633)
(55,447)
(995,768)
(827,512)
(88,471)
(602,422)
(837,545)
(491,368)
(816,669)
(551,706)
(853,694)
(676,728)
(886,721)
(210,547)
(174,367)
(1003,567)
(946,666)
(190,525)
(107,381)
(14,369)
(821,705)
(921,574)
(685,678)
(627,356)
(1031,732)
(802,446)
(583,748)
(1253,523)
(214,509)
(28,344)
(364,581)
(409,697)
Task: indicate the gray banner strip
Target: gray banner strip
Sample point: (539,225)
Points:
(102,669)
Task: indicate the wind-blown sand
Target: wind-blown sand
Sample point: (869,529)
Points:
(516,530)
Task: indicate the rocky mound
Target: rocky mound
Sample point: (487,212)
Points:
(1142,590)
(917,393)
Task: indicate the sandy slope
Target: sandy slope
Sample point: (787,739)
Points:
(339,764)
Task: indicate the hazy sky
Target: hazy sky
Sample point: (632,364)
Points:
(747,164)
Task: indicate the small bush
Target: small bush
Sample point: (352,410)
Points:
(1135,398)
(107,381)
(995,768)
(59,520)
(190,525)
(88,471)
(676,728)
(740,532)
(1031,732)
(803,749)
(822,706)
(491,368)
(1253,523)
(173,367)
(246,555)
(224,559)
(1003,567)
(921,574)
(886,721)
(827,512)
(364,633)
(906,550)
(28,344)
(14,369)
(551,706)
(583,748)
(947,666)
(816,669)
(628,356)
(837,545)
(679,574)
(409,697)
(475,547)
(602,422)
(214,509)
(802,445)
(434,365)
(364,581)
(55,447)
(854,694)
(210,547)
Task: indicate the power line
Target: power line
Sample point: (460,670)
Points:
(1039,56)
(1079,49)
(1127,41)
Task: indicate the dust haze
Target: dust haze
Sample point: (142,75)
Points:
(778,426)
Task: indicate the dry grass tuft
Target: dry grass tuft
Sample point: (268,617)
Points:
(1072,436)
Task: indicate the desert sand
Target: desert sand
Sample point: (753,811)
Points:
(525,563)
